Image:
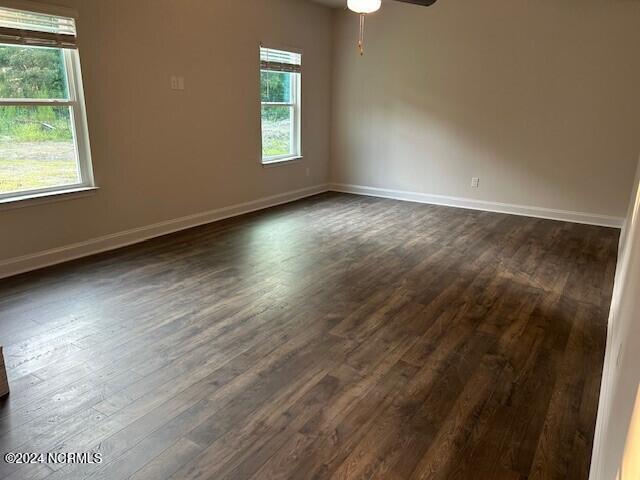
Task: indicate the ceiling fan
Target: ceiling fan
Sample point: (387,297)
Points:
(365,7)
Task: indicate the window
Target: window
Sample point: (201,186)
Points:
(44,144)
(280,78)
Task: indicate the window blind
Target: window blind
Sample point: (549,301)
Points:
(37,29)
(280,60)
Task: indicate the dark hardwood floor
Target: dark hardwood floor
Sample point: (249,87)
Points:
(337,337)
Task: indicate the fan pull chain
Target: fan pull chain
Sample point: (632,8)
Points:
(361,37)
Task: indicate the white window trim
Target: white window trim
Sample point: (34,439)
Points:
(80,132)
(46,198)
(297,118)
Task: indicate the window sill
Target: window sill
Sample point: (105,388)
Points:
(273,163)
(30,200)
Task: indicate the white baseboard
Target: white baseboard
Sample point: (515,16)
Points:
(26,263)
(15,266)
(522,210)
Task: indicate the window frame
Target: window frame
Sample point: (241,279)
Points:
(79,125)
(296,106)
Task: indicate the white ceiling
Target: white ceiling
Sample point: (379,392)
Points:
(333,3)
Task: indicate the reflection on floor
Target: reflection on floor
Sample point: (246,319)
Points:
(335,337)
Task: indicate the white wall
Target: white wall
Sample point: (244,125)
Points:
(616,435)
(537,98)
(159,154)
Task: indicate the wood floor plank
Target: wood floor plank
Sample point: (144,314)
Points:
(338,336)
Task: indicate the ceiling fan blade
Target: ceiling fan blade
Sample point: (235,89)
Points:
(424,3)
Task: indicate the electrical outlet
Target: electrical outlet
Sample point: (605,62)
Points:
(180,83)
(475,182)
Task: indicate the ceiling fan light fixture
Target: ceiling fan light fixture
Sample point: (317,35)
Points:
(364,6)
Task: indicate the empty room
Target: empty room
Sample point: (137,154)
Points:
(319,239)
